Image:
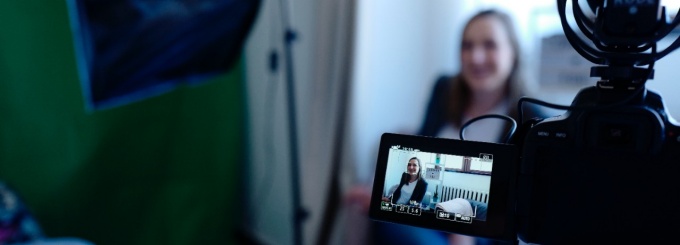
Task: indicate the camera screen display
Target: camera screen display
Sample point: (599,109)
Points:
(451,185)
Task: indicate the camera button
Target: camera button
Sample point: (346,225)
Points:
(561,135)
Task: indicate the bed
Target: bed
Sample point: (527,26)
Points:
(478,200)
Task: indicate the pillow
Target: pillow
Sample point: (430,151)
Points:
(456,205)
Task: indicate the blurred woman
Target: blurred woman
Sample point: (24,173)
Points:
(489,81)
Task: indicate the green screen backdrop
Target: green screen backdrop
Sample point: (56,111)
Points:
(165,170)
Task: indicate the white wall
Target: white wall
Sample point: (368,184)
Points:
(473,182)
(666,80)
(401,47)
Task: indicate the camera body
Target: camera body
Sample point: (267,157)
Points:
(587,176)
(603,172)
(600,175)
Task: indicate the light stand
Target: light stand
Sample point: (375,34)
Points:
(299,213)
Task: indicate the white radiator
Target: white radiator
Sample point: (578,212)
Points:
(448,193)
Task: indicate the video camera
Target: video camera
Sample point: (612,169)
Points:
(606,171)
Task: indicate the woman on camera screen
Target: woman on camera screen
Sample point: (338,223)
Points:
(411,188)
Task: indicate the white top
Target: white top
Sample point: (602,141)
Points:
(406,192)
(487,130)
